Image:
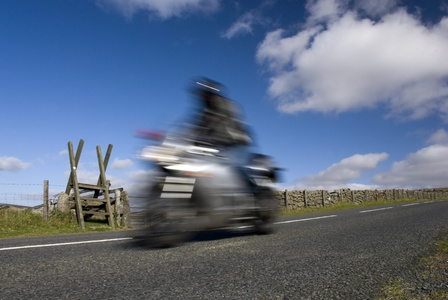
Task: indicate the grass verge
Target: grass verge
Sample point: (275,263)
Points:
(25,223)
(433,276)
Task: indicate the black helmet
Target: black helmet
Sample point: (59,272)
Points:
(205,87)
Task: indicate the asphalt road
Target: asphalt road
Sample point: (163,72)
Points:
(346,254)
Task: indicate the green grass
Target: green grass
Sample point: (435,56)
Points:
(25,223)
(433,269)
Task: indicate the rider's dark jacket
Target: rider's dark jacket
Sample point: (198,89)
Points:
(219,122)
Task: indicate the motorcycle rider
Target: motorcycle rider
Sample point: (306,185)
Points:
(218,123)
(219,120)
(209,160)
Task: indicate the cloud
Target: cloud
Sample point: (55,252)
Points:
(339,174)
(162,9)
(439,137)
(241,26)
(141,175)
(9,163)
(246,22)
(89,176)
(121,164)
(377,7)
(324,10)
(84,175)
(425,168)
(350,63)
(137,186)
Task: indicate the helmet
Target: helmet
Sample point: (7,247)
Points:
(205,87)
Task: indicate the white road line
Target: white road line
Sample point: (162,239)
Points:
(65,244)
(371,210)
(410,204)
(307,219)
(292,221)
(130,238)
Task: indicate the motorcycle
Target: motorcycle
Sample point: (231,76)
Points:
(196,187)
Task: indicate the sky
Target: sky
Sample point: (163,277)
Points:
(341,93)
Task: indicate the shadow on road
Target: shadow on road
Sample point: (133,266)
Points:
(202,236)
(220,234)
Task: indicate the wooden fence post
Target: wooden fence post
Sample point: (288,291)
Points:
(105,183)
(126,209)
(286,198)
(75,164)
(118,206)
(46,207)
(74,181)
(305,202)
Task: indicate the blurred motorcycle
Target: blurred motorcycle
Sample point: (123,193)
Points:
(197,187)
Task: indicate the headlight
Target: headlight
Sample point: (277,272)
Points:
(161,154)
(186,168)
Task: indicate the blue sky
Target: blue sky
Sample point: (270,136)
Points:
(342,93)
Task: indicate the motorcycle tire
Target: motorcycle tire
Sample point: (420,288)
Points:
(161,229)
(268,210)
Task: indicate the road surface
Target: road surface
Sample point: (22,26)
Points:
(347,254)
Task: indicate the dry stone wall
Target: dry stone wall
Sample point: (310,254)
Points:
(299,199)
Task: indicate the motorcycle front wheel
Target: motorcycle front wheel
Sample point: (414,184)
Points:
(268,210)
(167,221)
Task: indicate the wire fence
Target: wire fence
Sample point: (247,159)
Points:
(25,194)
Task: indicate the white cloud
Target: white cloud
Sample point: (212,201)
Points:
(242,26)
(439,137)
(86,175)
(324,10)
(137,187)
(121,164)
(351,63)
(141,175)
(63,152)
(377,7)
(339,174)
(163,9)
(245,23)
(425,168)
(9,163)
